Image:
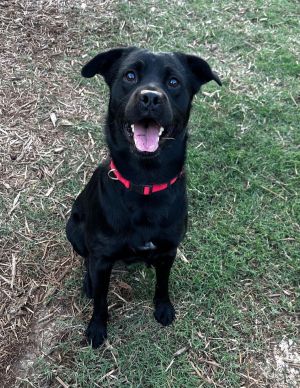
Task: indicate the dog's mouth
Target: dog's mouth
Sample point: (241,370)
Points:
(146,134)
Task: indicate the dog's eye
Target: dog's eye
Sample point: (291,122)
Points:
(130,76)
(173,82)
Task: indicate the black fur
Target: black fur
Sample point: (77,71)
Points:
(109,222)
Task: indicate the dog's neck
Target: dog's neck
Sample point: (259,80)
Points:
(142,171)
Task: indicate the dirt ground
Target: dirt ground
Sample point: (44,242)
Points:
(41,44)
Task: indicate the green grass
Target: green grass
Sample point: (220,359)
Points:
(243,181)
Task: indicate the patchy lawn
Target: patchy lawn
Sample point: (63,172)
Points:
(236,281)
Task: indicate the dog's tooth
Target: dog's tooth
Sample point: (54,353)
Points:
(161,130)
(132,127)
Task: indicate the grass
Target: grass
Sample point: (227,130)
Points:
(237,295)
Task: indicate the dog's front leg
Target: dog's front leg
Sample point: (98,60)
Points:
(99,272)
(164,311)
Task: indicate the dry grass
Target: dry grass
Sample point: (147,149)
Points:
(39,42)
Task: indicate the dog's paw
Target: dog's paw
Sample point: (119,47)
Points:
(96,333)
(87,287)
(164,313)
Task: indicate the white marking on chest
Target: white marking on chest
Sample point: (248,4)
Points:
(148,246)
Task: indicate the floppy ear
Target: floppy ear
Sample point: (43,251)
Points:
(105,63)
(201,71)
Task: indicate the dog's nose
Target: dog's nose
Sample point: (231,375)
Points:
(150,98)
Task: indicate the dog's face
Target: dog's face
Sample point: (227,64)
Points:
(151,94)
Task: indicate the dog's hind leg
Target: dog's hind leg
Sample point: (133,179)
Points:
(75,234)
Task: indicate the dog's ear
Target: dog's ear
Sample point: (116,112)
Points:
(105,63)
(200,69)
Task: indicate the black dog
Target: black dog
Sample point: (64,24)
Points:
(135,207)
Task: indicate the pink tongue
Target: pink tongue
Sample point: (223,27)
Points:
(146,139)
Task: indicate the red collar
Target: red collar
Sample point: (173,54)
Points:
(141,189)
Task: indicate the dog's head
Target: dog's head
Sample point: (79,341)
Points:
(150,95)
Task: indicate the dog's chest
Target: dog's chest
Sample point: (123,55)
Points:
(146,228)
(152,223)
(148,246)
